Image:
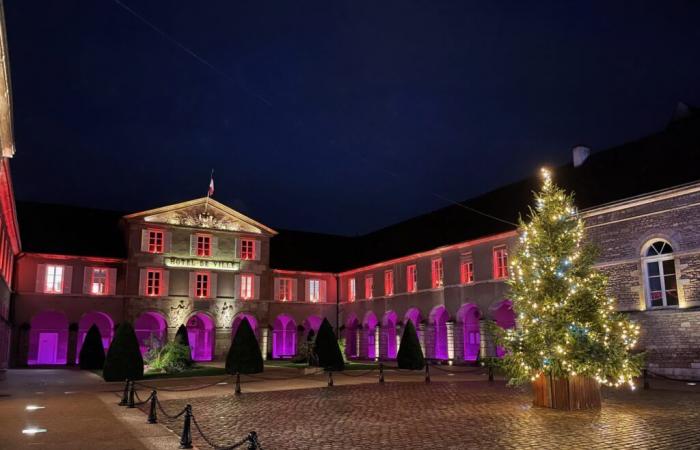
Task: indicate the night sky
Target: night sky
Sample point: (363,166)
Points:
(331,116)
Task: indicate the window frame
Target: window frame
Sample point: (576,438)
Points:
(659,259)
(437,273)
(204,251)
(503,273)
(369,287)
(412,278)
(250,284)
(285,289)
(352,289)
(156,288)
(202,284)
(314,290)
(156,241)
(51,289)
(389,283)
(105,289)
(463,278)
(245,252)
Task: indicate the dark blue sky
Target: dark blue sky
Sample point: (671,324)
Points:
(333,116)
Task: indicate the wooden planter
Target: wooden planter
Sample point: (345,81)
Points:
(566,393)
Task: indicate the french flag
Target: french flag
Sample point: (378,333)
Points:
(211,185)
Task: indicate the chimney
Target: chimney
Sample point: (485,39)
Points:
(580,154)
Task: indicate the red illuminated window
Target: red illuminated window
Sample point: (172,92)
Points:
(466,271)
(247,249)
(284,292)
(351,290)
(500,262)
(314,291)
(437,272)
(369,286)
(154,282)
(98,283)
(201,286)
(411,278)
(54,279)
(389,282)
(155,241)
(203,245)
(246,290)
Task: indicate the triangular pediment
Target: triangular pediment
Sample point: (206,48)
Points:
(204,213)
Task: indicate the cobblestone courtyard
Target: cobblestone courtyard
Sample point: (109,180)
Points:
(452,415)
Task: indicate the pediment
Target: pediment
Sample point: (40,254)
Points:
(203,213)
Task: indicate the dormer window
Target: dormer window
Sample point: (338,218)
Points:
(203,245)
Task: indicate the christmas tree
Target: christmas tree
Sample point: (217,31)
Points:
(566,322)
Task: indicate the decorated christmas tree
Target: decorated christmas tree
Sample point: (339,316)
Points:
(566,322)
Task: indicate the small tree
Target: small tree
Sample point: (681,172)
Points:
(92,353)
(244,354)
(410,355)
(181,336)
(124,360)
(326,348)
(567,324)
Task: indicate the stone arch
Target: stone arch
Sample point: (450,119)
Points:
(469,316)
(352,333)
(151,329)
(414,315)
(311,323)
(504,316)
(238,318)
(284,337)
(104,323)
(389,322)
(438,319)
(48,338)
(370,325)
(201,335)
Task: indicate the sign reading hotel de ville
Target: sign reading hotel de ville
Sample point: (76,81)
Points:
(194,263)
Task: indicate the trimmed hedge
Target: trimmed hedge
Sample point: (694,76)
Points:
(327,349)
(244,354)
(410,355)
(124,358)
(92,353)
(181,337)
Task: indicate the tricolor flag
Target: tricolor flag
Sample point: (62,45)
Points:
(211,185)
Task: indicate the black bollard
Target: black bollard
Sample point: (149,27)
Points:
(645,374)
(125,396)
(427,373)
(381,373)
(186,436)
(131,403)
(330,378)
(490,373)
(238,383)
(152,414)
(253,443)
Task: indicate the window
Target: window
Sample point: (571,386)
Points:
(154,279)
(500,262)
(411,278)
(98,284)
(369,286)
(351,290)
(203,245)
(155,241)
(389,282)
(201,289)
(437,272)
(54,279)
(660,270)
(285,288)
(246,287)
(466,271)
(314,291)
(247,249)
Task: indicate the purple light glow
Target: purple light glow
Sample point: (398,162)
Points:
(389,333)
(200,333)
(439,317)
(284,337)
(48,338)
(150,325)
(504,317)
(103,322)
(351,329)
(370,324)
(469,315)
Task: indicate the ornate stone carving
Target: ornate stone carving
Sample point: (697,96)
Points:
(178,314)
(198,218)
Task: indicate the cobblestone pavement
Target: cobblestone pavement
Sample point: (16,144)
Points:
(449,415)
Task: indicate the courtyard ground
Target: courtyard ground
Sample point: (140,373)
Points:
(455,411)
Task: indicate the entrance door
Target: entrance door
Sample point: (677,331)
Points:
(48,348)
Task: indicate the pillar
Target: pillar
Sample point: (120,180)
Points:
(362,348)
(72,353)
(398,338)
(358,341)
(488,346)
(377,336)
(421,337)
(450,340)
(264,339)
(458,341)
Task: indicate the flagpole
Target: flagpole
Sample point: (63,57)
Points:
(206,202)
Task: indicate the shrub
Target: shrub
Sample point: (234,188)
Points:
(92,353)
(181,336)
(124,358)
(244,354)
(173,358)
(410,355)
(326,348)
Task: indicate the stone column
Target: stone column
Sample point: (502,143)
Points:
(384,343)
(450,340)
(398,338)
(377,336)
(264,334)
(358,341)
(72,350)
(488,347)
(421,338)
(362,348)
(458,341)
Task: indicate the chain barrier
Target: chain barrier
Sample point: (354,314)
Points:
(261,377)
(165,413)
(469,370)
(363,374)
(184,389)
(251,439)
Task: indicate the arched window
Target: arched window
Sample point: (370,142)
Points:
(660,274)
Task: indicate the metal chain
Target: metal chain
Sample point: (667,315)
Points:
(260,377)
(171,417)
(343,372)
(211,443)
(472,370)
(175,389)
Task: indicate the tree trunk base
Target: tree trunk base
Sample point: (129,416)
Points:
(567,394)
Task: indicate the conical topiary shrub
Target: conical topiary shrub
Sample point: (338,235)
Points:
(92,353)
(327,349)
(181,336)
(244,354)
(410,354)
(124,360)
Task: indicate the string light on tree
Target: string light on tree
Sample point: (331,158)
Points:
(567,323)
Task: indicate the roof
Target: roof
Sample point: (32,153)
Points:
(70,230)
(657,162)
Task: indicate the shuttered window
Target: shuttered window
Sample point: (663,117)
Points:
(389,282)
(54,279)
